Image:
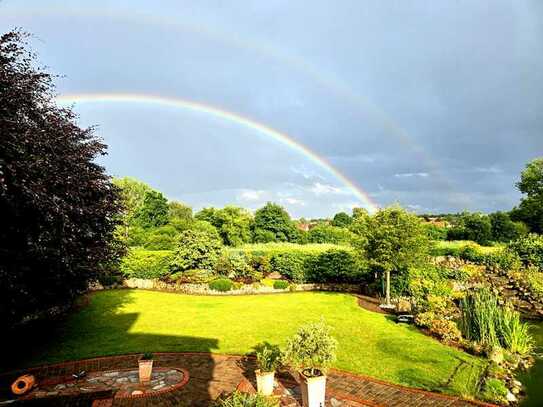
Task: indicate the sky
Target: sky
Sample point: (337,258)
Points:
(320,106)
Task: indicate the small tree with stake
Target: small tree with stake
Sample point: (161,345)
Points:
(397,240)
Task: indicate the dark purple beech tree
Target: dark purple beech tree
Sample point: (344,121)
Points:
(58,208)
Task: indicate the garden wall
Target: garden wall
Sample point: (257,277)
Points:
(203,289)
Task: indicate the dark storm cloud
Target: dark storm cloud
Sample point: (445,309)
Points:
(435,105)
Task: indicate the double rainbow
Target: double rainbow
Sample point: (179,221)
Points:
(236,118)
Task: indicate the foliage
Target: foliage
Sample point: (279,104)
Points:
(472,226)
(273,219)
(424,281)
(132,194)
(530,250)
(221,284)
(146,264)
(342,220)
(503,228)
(336,266)
(530,210)
(154,210)
(494,390)
(196,250)
(147,356)
(238,399)
(330,234)
(237,265)
(312,348)
(179,215)
(233,223)
(292,265)
(435,232)
(397,241)
(193,276)
(488,323)
(161,238)
(280,284)
(424,319)
(445,330)
(59,208)
(268,357)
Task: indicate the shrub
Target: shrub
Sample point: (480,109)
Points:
(445,329)
(221,284)
(292,265)
(162,238)
(193,276)
(268,357)
(312,348)
(529,249)
(140,263)
(424,319)
(280,284)
(196,250)
(330,234)
(238,399)
(261,264)
(494,390)
(486,322)
(336,266)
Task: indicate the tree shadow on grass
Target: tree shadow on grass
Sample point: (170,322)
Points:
(52,340)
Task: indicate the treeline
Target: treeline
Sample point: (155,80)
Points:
(151,221)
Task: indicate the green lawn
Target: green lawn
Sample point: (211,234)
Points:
(458,244)
(123,321)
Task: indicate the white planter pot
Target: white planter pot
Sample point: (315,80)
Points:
(264,382)
(313,390)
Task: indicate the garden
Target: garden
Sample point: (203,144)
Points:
(110,268)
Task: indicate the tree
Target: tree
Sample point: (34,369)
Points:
(330,234)
(232,223)
(342,220)
(59,207)
(397,241)
(503,228)
(530,210)
(477,227)
(154,211)
(274,219)
(196,250)
(179,215)
(132,194)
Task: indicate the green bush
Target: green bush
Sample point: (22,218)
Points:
(280,284)
(494,390)
(529,249)
(193,276)
(238,399)
(161,238)
(292,265)
(196,250)
(140,263)
(330,234)
(221,284)
(336,266)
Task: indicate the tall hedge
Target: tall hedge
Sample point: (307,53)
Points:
(141,263)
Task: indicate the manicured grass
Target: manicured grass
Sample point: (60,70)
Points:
(124,321)
(275,248)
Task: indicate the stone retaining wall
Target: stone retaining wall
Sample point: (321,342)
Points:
(203,289)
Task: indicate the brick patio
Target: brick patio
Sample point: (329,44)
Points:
(211,375)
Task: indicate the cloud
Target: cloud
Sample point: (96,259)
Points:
(293,201)
(306,172)
(489,170)
(326,189)
(250,195)
(412,174)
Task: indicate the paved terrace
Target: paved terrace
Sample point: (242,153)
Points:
(209,376)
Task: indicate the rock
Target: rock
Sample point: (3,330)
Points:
(403,307)
(136,392)
(111,374)
(511,397)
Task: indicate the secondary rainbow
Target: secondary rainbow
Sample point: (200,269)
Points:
(229,116)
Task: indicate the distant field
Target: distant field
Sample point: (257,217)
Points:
(458,244)
(274,248)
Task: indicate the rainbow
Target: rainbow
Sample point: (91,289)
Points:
(236,118)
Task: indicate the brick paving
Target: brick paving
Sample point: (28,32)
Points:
(212,375)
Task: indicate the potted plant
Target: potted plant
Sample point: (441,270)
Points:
(311,350)
(145,367)
(268,358)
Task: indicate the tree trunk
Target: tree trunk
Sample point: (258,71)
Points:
(387,274)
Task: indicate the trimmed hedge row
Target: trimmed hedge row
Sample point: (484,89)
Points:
(141,263)
(298,263)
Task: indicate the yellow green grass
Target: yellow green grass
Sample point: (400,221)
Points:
(124,321)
